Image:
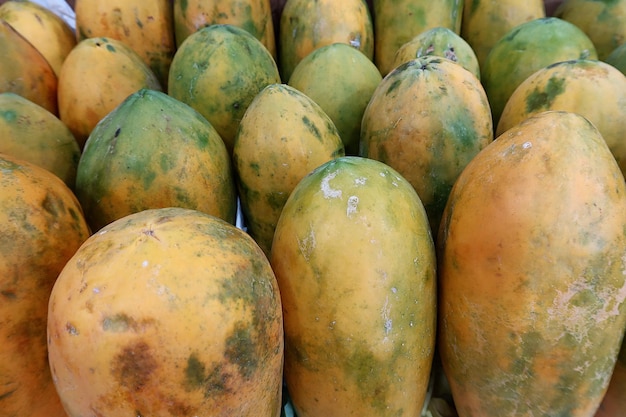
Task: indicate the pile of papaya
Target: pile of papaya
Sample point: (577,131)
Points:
(306,208)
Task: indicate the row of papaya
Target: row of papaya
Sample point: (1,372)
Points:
(347,251)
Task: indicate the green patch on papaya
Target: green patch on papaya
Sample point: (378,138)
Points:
(241,351)
(117,323)
(110,48)
(538,100)
(311,128)
(276,200)
(395,84)
(256,168)
(196,377)
(8,115)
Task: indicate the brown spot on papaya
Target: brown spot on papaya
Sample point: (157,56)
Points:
(71,329)
(133,366)
(196,377)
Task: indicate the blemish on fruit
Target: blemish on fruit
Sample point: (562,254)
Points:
(538,100)
(240,350)
(327,190)
(133,366)
(71,329)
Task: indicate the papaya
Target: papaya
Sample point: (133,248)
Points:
(604,22)
(218,70)
(355,263)
(146,26)
(25,71)
(442,42)
(31,133)
(531,272)
(591,88)
(167,312)
(484,22)
(343,95)
(527,48)
(282,137)
(255,16)
(98,75)
(154,151)
(396,22)
(41,227)
(308,25)
(427,119)
(43,28)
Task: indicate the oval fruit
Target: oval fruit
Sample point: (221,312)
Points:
(484,22)
(41,227)
(255,16)
(146,26)
(442,42)
(396,22)
(341,80)
(355,264)
(591,88)
(153,151)
(167,312)
(282,137)
(308,25)
(527,48)
(97,75)
(218,70)
(31,133)
(24,71)
(531,270)
(427,119)
(43,28)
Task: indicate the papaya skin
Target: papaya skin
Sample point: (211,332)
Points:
(46,31)
(359,322)
(442,122)
(592,88)
(25,71)
(41,227)
(485,21)
(531,282)
(146,26)
(160,276)
(283,136)
(308,25)
(255,16)
(396,22)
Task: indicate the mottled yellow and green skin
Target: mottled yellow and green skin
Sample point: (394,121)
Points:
(531,260)
(308,25)
(25,71)
(153,151)
(32,133)
(41,227)
(96,77)
(525,49)
(396,22)
(486,21)
(167,312)
(146,26)
(341,80)
(442,42)
(255,16)
(591,88)
(604,21)
(283,136)
(355,264)
(218,70)
(427,119)
(43,28)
